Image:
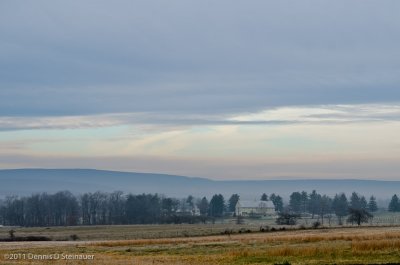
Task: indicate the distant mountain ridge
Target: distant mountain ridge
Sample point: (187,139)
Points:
(28,181)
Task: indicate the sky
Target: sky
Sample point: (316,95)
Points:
(218,89)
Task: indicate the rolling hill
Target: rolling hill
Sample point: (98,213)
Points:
(28,181)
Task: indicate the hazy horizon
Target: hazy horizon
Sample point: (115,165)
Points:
(80,181)
(285,178)
(221,90)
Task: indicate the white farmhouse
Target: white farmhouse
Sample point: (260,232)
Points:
(246,208)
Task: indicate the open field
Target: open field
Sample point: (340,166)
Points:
(365,245)
(118,232)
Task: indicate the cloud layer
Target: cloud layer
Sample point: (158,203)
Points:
(98,57)
(224,89)
(320,114)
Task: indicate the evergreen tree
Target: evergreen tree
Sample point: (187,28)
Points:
(372,206)
(325,207)
(363,203)
(295,202)
(304,201)
(277,201)
(314,203)
(355,201)
(394,205)
(217,205)
(232,202)
(340,206)
(272,197)
(278,204)
(203,206)
(264,197)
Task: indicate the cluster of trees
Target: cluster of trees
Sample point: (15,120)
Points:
(43,209)
(100,208)
(323,205)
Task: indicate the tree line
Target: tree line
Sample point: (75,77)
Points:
(102,208)
(356,207)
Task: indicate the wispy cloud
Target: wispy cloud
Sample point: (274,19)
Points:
(320,114)
(326,114)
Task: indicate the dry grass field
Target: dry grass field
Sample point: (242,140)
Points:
(184,244)
(91,233)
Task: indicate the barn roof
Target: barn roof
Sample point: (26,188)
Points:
(256,204)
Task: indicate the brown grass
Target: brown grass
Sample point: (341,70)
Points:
(323,246)
(375,245)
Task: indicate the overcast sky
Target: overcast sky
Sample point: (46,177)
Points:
(220,89)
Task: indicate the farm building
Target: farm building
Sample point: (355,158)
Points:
(246,208)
